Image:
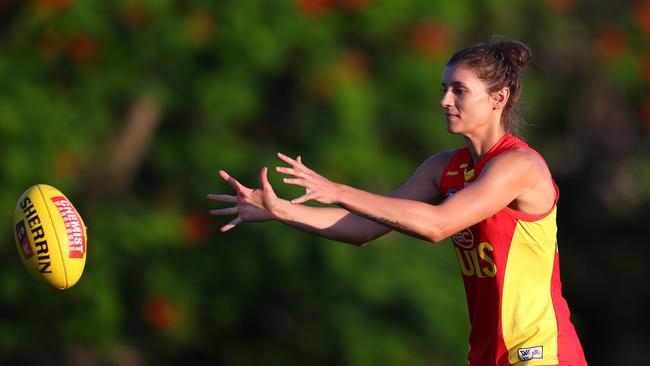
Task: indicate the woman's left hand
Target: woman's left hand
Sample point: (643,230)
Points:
(318,188)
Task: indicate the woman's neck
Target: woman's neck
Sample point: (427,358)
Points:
(480,144)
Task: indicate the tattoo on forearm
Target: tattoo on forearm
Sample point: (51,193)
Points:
(390,223)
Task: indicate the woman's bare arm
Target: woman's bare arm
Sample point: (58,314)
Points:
(512,176)
(334,223)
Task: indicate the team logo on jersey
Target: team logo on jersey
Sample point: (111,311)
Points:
(526,354)
(464,239)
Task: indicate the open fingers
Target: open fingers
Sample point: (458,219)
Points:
(224,211)
(296,164)
(287,159)
(295,181)
(285,170)
(297,167)
(232,181)
(231,224)
(222,198)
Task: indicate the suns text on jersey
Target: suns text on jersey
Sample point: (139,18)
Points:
(474,260)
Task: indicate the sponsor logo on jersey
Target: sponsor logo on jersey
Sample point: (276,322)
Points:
(530,353)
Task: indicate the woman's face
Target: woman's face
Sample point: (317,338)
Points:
(467,104)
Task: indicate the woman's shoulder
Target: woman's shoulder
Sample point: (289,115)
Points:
(444,157)
(521,159)
(434,166)
(522,154)
(438,162)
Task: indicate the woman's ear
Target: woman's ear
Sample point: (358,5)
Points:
(501,97)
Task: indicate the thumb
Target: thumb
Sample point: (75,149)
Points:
(264,180)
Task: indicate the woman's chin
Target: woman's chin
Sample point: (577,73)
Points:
(451,128)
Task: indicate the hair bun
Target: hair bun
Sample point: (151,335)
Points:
(516,53)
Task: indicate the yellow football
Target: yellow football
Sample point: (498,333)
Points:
(50,235)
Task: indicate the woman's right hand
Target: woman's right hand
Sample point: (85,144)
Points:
(251,205)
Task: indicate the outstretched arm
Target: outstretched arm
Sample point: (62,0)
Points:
(330,222)
(513,177)
(263,205)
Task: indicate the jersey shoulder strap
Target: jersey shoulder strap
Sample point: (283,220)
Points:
(456,172)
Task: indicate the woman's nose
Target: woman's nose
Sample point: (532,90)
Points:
(445,101)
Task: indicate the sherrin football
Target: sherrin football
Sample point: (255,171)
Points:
(50,235)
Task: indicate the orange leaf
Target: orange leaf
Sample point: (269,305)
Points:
(160,313)
(354,5)
(642,15)
(315,7)
(51,45)
(611,42)
(82,49)
(354,66)
(560,6)
(134,15)
(197,226)
(430,38)
(52,6)
(200,27)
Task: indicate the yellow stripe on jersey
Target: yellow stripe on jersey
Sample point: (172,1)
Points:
(455,172)
(528,315)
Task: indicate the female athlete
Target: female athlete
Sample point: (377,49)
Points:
(497,203)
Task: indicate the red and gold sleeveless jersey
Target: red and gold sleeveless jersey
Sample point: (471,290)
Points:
(510,268)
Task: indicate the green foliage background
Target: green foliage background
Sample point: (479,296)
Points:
(131,106)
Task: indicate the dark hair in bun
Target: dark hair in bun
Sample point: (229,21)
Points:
(498,63)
